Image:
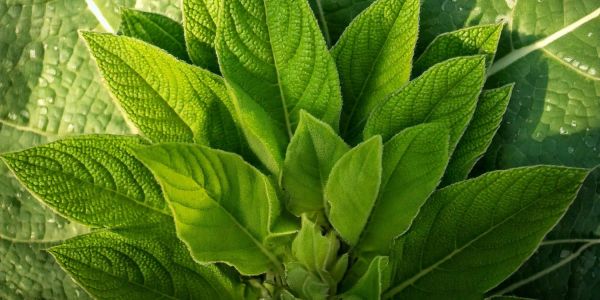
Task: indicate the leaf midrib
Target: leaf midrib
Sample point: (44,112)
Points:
(400,287)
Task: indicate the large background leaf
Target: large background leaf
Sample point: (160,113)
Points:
(49,88)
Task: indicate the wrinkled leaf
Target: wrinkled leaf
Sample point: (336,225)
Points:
(352,188)
(155,29)
(225,210)
(443,256)
(311,154)
(374,58)
(200,19)
(445,94)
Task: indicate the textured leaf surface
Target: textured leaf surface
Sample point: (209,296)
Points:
(225,210)
(474,40)
(335,15)
(373,283)
(413,164)
(445,94)
(155,29)
(151,264)
(311,154)
(443,256)
(166,99)
(479,134)
(352,187)
(49,87)
(374,58)
(200,23)
(91,179)
(274,56)
(553,115)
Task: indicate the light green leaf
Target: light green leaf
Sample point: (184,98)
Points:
(155,29)
(225,210)
(413,164)
(91,179)
(474,40)
(318,255)
(311,154)
(450,257)
(445,94)
(373,282)
(478,136)
(168,100)
(273,55)
(374,58)
(335,15)
(305,284)
(200,19)
(146,262)
(352,188)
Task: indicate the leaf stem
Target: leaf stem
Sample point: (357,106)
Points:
(552,268)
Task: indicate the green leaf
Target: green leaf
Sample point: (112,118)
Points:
(474,40)
(155,29)
(450,257)
(352,188)
(200,19)
(311,154)
(305,284)
(478,135)
(274,57)
(445,94)
(413,164)
(146,262)
(318,254)
(335,15)
(225,210)
(167,99)
(373,283)
(374,58)
(91,179)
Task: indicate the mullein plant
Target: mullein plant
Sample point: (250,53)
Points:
(268,165)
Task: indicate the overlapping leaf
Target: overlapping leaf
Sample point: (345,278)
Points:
(200,23)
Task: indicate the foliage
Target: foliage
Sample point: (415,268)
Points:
(322,164)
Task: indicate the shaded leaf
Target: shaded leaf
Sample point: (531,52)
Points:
(200,23)
(373,283)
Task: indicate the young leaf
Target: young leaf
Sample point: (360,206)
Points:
(306,285)
(471,235)
(373,282)
(374,58)
(352,188)
(445,94)
(225,210)
(91,179)
(141,263)
(272,54)
(478,136)
(482,39)
(155,29)
(413,164)
(167,99)
(311,154)
(335,15)
(200,24)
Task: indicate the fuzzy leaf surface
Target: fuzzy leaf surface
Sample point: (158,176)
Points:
(479,134)
(158,30)
(146,262)
(335,15)
(446,94)
(413,164)
(311,154)
(374,58)
(482,40)
(275,59)
(91,179)
(443,256)
(200,19)
(168,100)
(225,210)
(373,282)
(351,190)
